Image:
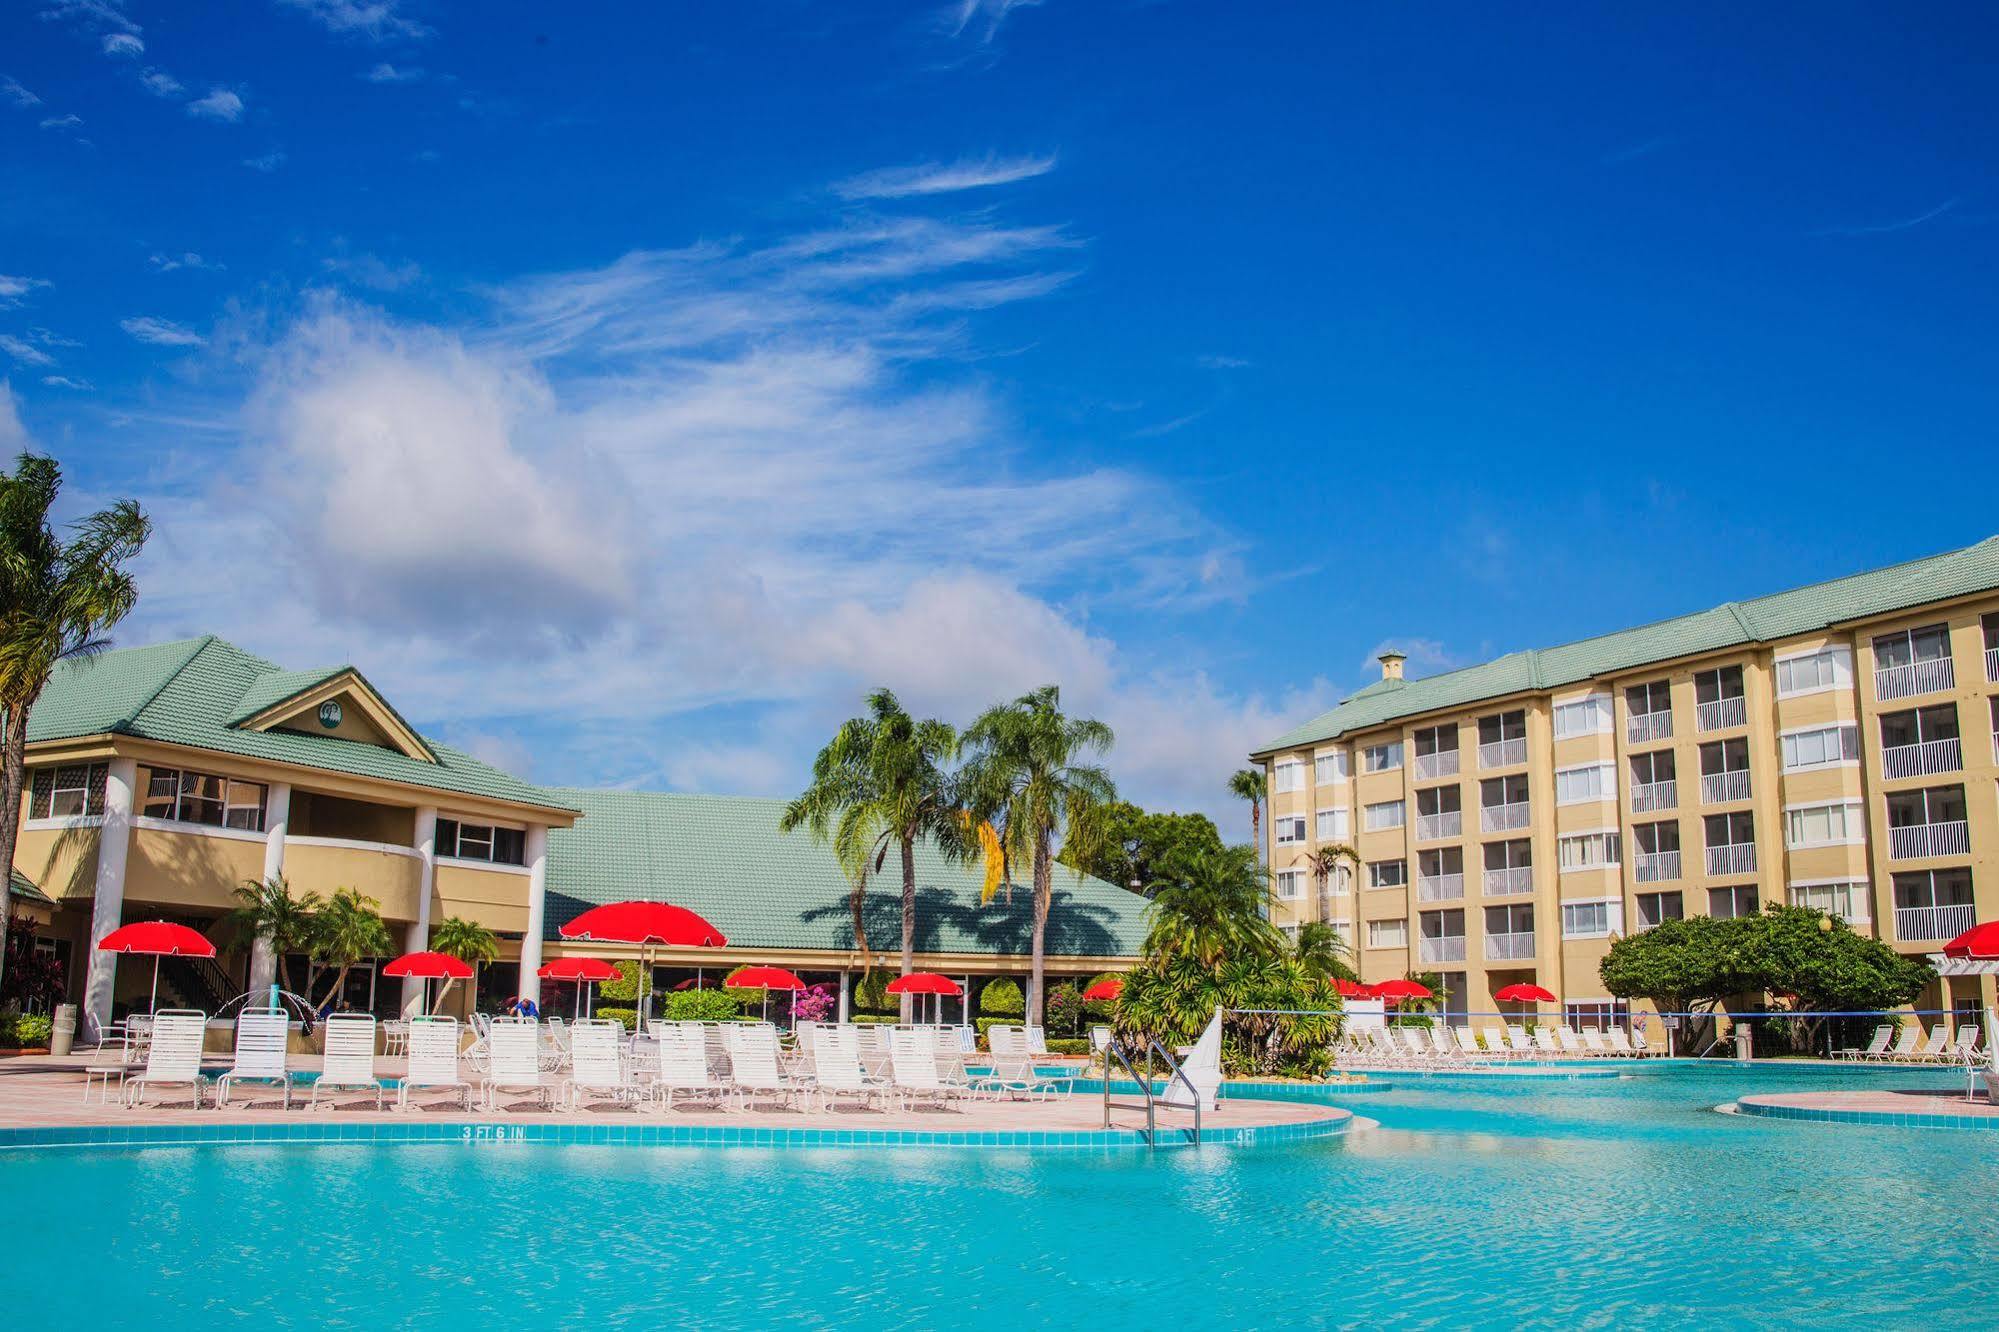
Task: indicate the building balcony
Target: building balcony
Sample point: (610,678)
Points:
(1992,664)
(1448,949)
(1440,887)
(1657,866)
(1721,788)
(1443,763)
(1509,947)
(1644,726)
(1923,758)
(1502,753)
(1514,881)
(1503,818)
(1648,796)
(1431,827)
(1917,677)
(1731,858)
(1722,713)
(1925,923)
(1916,841)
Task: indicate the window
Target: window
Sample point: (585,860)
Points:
(1330,766)
(1290,884)
(479,841)
(1289,828)
(1918,726)
(1847,900)
(1386,814)
(1502,726)
(1436,740)
(1388,934)
(1590,781)
(1591,920)
(73,790)
(1829,667)
(1929,889)
(1516,854)
(195,797)
(1653,766)
(1590,850)
(1287,775)
(1596,1014)
(1909,646)
(1821,747)
(1647,699)
(1935,804)
(1824,825)
(1715,685)
(1387,873)
(1730,830)
(1382,758)
(1332,825)
(1583,716)
(1731,903)
(1656,907)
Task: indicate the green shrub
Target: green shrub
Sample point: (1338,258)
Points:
(1002,998)
(33,1029)
(747,998)
(1075,1047)
(872,996)
(628,1016)
(1065,1009)
(875,1019)
(625,989)
(7,1021)
(701,1006)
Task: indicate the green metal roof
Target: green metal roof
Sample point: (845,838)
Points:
(267,691)
(187,693)
(1765,619)
(23,887)
(725,857)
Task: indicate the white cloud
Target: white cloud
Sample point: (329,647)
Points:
(124,45)
(13,288)
(160,83)
(220,104)
(373,20)
(161,332)
(24,352)
(980,20)
(1426,657)
(368,270)
(70,121)
(942,178)
(167,263)
(15,93)
(91,15)
(265,162)
(65,382)
(13,435)
(384,72)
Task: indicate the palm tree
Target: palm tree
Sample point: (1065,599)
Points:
(348,929)
(1322,952)
(1324,863)
(1251,785)
(57,598)
(1025,777)
(267,910)
(882,783)
(466,940)
(1208,905)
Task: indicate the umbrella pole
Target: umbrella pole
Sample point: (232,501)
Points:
(153,1004)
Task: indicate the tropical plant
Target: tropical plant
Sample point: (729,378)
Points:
(1278,1017)
(814,1003)
(1208,905)
(1250,784)
(1323,952)
(34,979)
(466,940)
(1325,862)
(58,597)
(1026,777)
(268,910)
(1126,844)
(702,1006)
(882,784)
(346,930)
(1002,998)
(1065,1009)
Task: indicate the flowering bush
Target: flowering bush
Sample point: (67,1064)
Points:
(815,1003)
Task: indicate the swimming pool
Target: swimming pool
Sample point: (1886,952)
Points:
(1622,1202)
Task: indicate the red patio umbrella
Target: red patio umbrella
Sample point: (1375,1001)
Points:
(1350,989)
(1402,989)
(1980,942)
(1104,991)
(1523,993)
(428,966)
(581,970)
(156,939)
(649,925)
(765,979)
(927,982)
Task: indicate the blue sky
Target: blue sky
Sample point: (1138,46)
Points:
(627,393)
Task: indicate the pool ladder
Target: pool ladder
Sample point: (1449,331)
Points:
(1150,1104)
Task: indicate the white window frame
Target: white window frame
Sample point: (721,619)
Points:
(1854,820)
(1860,893)
(1385,815)
(1373,866)
(1838,654)
(1606,783)
(1597,710)
(1287,775)
(1849,740)
(1735,892)
(1379,930)
(1341,827)
(1613,917)
(1391,756)
(1329,766)
(1290,885)
(1607,840)
(1293,824)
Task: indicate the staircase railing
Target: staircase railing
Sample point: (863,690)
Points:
(1151,1102)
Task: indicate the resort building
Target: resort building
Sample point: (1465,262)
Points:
(1836,747)
(161,779)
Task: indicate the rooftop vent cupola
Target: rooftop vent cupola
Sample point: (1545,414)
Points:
(1391,664)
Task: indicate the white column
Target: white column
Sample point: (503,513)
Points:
(418,937)
(843,1000)
(108,905)
(277,814)
(537,854)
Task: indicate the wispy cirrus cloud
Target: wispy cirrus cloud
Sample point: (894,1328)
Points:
(265,162)
(124,45)
(981,20)
(943,177)
(14,287)
(160,83)
(67,122)
(370,20)
(221,104)
(13,92)
(384,72)
(168,263)
(23,352)
(1892,226)
(161,332)
(67,382)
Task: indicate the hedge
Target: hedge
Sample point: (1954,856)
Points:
(1002,998)
(628,1016)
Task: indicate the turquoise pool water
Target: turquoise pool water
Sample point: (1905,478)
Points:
(1613,1203)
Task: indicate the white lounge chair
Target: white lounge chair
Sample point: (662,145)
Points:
(1964,1046)
(597,1066)
(754,1070)
(350,1058)
(838,1072)
(913,1065)
(683,1067)
(1876,1044)
(1620,1044)
(1037,1042)
(514,1047)
(261,1036)
(1905,1045)
(1545,1041)
(173,1056)
(1201,1066)
(1568,1041)
(1932,1050)
(1467,1042)
(1495,1040)
(1594,1044)
(1517,1041)
(433,1061)
(110,1062)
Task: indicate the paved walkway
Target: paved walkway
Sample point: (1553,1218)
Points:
(1910,1108)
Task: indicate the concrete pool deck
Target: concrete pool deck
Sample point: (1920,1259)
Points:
(41,1104)
(1891,1107)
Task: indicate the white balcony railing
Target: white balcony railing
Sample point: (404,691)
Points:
(1503,818)
(1440,887)
(1502,753)
(1995,746)
(1929,839)
(1719,788)
(1731,858)
(1917,677)
(1722,714)
(1443,763)
(1655,795)
(1509,947)
(1450,948)
(1923,758)
(1429,827)
(1914,924)
(1644,726)
(1513,881)
(1657,866)
(1992,663)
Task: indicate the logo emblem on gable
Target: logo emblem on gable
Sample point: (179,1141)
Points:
(329,713)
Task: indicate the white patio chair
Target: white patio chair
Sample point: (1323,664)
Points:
(1037,1042)
(261,1037)
(838,1072)
(350,1058)
(1518,1041)
(754,1070)
(1545,1042)
(1593,1043)
(1905,1045)
(1619,1043)
(597,1068)
(913,1062)
(515,1052)
(1876,1044)
(683,1066)
(110,1062)
(1568,1041)
(173,1055)
(1467,1042)
(433,1061)
(395,1038)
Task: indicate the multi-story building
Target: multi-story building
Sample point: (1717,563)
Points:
(1836,746)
